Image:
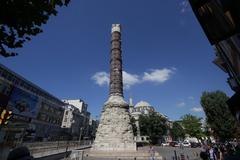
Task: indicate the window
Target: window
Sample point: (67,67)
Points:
(4,74)
(7,90)
(42,117)
(9,77)
(17,81)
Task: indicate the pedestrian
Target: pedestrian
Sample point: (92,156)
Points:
(204,154)
(216,151)
(151,152)
(181,145)
(237,149)
(212,153)
(222,152)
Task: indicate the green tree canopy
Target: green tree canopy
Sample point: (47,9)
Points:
(218,115)
(22,19)
(192,126)
(152,125)
(177,131)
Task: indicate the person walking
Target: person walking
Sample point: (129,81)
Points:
(204,154)
(222,152)
(151,152)
(212,153)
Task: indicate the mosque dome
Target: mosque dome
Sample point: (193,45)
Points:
(143,107)
(142,104)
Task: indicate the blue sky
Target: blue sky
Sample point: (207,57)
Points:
(167,59)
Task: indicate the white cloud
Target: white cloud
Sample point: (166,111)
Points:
(101,78)
(158,75)
(181,104)
(130,79)
(197,109)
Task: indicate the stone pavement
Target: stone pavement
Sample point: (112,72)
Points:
(167,153)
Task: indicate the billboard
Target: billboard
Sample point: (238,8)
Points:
(23,103)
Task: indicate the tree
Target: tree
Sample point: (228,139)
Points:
(134,127)
(177,131)
(218,115)
(152,125)
(192,126)
(22,19)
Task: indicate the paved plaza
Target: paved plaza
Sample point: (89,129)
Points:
(167,153)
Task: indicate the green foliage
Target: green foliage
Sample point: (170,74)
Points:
(152,125)
(134,127)
(177,131)
(192,126)
(218,115)
(22,19)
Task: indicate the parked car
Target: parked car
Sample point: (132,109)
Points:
(178,144)
(186,144)
(173,144)
(195,145)
(165,144)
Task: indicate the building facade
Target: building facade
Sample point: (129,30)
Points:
(37,115)
(220,20)
(68,117)
(79,126)
(93,124)
(78,103)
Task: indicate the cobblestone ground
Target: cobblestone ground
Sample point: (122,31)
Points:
(167,153)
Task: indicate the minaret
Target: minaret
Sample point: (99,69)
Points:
(131,101)
(115,132)
(131,106)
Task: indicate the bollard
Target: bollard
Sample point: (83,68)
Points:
(175,154)
(82,155)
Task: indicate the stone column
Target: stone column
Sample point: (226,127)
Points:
(116,83)
(115,132)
